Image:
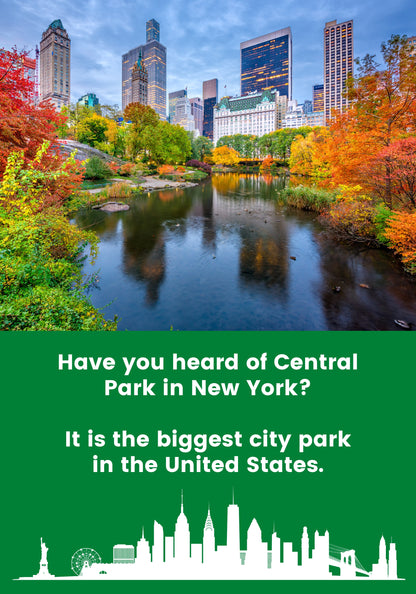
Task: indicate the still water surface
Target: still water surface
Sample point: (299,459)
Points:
(225,256)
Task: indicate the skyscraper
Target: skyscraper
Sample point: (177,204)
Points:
(154,58)
(210,98)
(209,540)
(338,65)
(318,97)
(183,114)
(55,65)
(233,534)
(173,98)
(266,63)
(197,110)
(139,82)
(182,536)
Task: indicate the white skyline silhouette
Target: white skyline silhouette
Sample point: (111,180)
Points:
(176,558)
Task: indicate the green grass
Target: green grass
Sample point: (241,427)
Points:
(93,184)
(306,198)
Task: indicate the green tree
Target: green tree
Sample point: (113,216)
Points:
(92,129)
(139,117)
(166,143)
(203,147)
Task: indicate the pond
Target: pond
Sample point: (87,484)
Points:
(225,255)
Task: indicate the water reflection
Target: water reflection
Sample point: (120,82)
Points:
(225,255)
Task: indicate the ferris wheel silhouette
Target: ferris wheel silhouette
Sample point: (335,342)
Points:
(84,558)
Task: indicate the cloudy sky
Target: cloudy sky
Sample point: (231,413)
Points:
(202,36)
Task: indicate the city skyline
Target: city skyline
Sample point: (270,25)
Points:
(202,46)
(177,557)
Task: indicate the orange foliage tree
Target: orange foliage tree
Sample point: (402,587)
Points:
(267,162)
(400,232)
(383,110)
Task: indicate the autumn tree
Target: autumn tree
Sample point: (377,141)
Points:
(224,155)
(23,126)
(400,157)
(382,111)
(307,156)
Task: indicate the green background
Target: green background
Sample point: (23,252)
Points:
(49,490)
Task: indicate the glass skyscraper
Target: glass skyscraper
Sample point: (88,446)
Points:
(318,97)
(266,63)
(154,58)
(210,99)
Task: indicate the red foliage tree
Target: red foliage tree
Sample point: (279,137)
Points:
(24,126)
(400,158)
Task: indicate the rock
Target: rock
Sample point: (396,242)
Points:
(113,206)
(364,286)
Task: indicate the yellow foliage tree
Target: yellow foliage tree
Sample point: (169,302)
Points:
(307,155)
(224,155)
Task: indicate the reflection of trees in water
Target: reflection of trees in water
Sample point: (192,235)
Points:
(264,258)
(237,184)
(102,223)
(144,243)
(390,295)
(264,261)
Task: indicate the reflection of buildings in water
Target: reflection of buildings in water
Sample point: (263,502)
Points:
(144,241)
(204,209)
(152,271)
(264,258)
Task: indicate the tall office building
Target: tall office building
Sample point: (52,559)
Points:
(154,58)
(183,114)
(266,63)
(197,110)
(55,65)
(139,82)
(318,97)
(233,534)
(338,65)
(173,98)
(412,44)
(210,98)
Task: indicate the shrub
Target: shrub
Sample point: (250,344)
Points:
(165,169)
(41,283)
(119,191)
(46,308)
(195,164)
(127,169)
(195,176)
(114,167)
(95,168)
(267,162)
(353,219)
